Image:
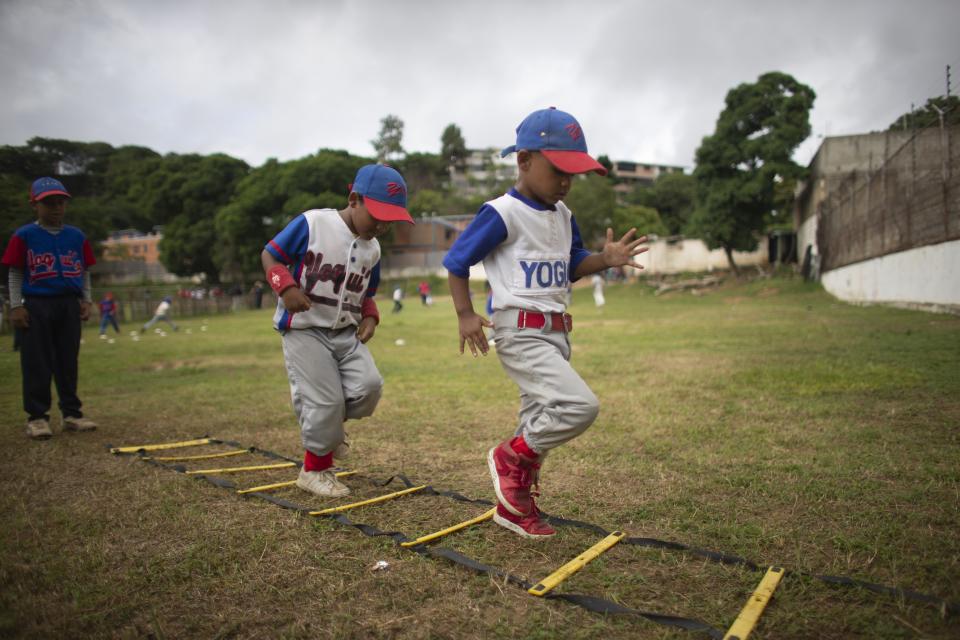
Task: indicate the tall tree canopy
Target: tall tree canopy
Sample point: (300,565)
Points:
(389,142)
(747,155)
(929,114)
(594,205)
(673,195)
(453,148)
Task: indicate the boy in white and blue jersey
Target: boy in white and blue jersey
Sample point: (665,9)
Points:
(531,249)
(326,313)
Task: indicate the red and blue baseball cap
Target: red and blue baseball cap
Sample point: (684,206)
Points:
(384,192)
(558,136)
(43,187)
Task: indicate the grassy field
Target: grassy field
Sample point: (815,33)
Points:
(762,419)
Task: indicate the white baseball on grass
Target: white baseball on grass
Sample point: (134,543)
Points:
(111,341)
(400,342)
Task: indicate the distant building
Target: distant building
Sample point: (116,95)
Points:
(482,172)
(131,255)
(419,249)
(628,174)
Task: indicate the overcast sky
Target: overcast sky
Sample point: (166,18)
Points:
(281,79)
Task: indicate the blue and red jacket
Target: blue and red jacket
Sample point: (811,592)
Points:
(108,307)
(52,264)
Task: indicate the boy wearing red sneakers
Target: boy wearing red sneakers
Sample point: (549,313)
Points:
(530,246)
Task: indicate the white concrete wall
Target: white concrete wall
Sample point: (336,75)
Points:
(692,255)
(679,257)
(925,276)
(806,236)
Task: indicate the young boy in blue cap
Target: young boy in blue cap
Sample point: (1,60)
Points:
(531,249)
(326,313)
(49,299)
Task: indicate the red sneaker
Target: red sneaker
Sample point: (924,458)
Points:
(513,475)
(529,526)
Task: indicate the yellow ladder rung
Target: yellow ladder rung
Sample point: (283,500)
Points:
(206,456)
(290,483)
(449,530)
(544,586)
(354,505)
(262,467)
(750,614)
(159,447)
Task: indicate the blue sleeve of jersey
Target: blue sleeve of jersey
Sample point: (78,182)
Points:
(374,281)
(485,232)
(290,245)
(577,251)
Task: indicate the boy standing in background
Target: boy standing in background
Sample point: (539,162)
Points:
(50,298)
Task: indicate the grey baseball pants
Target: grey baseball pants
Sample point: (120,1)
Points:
(556,405)
(332,378)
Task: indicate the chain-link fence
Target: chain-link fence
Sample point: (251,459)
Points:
(912,200)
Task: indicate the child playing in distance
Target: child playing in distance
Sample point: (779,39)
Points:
(531,249)
(162,312)
(326,313)
(49,299)
(108,314)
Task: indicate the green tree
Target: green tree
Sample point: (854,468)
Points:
(737,167)
(270,196)
(593,201)
(607,164)
(422,171)
(453,148)
(426,201)
(644,219)
(673,195)
(389,142)
(929,114)
(187,247)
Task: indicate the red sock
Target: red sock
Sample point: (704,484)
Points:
(520,445)
(313,462)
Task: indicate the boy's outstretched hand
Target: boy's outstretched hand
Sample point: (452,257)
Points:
(471,332)
(622,252)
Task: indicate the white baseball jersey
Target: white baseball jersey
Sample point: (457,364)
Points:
(334,268)
(529,252)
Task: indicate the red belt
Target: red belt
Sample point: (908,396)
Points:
(536,320)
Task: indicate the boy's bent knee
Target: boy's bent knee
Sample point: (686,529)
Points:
(363,400)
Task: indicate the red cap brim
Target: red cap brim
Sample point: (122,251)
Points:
(50,193)
(573,161)
(387,212)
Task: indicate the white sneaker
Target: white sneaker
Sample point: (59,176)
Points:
(79,424)
(39,429)
(322,483)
